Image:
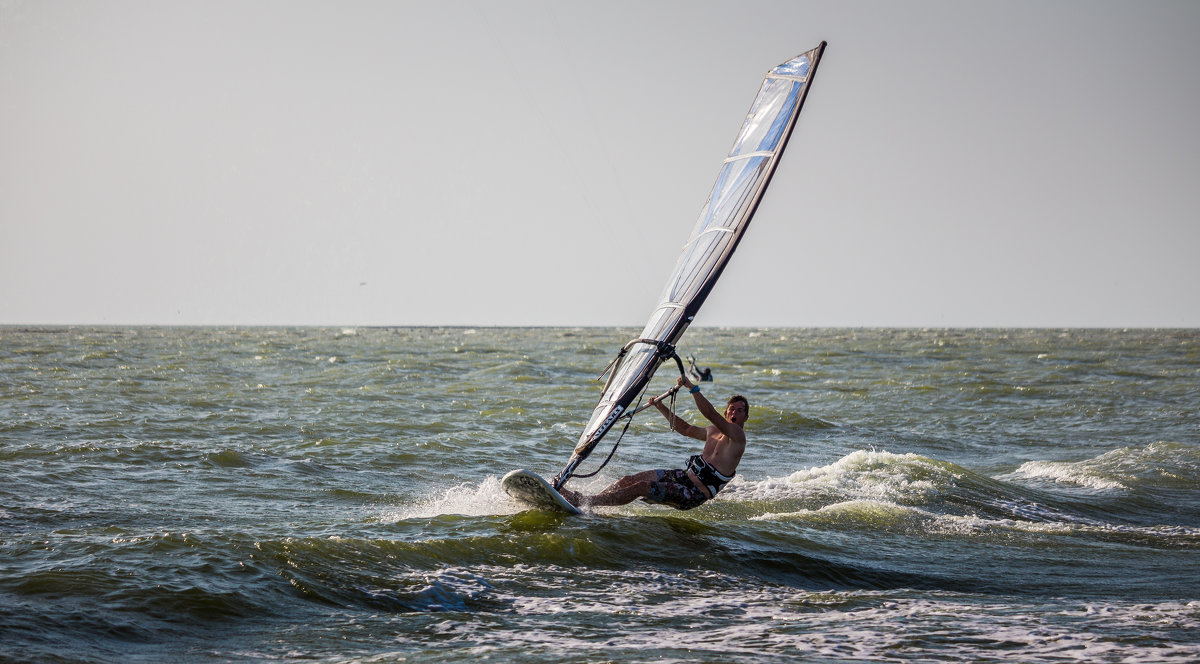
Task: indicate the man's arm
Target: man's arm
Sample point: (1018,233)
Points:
(679,424)
(732,431)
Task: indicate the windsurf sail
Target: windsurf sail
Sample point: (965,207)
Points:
(740,186)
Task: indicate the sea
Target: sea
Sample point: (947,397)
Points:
(230,494)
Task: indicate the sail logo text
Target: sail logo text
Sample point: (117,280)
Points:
(611,418)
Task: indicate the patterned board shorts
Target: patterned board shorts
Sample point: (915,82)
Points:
(676,489)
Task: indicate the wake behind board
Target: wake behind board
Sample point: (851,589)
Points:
(529,488)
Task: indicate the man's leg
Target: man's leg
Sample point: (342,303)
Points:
(625,490)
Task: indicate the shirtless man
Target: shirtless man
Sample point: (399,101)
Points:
(705,474)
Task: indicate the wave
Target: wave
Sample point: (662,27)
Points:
(470,547)
(880,476)
(135,588)
(448,570)
(882,517)
(912,494)
(1162,464)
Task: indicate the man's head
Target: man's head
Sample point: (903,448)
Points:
(737,409)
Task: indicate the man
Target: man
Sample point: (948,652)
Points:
(705,474)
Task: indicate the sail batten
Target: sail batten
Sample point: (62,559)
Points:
(748,155)
(740,185)
(784,77)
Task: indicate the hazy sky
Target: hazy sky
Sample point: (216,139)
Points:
(541,163)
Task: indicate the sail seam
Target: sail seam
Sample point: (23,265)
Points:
(750,155)
(714,229)
(788,77)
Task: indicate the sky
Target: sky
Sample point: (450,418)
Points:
(957,164)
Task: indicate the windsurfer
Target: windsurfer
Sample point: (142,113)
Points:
(702,374)
(704,474)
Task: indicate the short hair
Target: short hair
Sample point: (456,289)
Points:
(738,397)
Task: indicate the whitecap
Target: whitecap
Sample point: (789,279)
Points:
(1158,464)
(861,475)
(1066,472)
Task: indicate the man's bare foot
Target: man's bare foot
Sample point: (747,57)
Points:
(572,497)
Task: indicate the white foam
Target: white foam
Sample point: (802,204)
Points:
(1066,472)
(484,499)
(862,475)
(1160,463)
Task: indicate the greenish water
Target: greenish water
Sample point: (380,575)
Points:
(220,494)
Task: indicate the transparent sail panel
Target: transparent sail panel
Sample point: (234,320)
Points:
(797,66)
(766,123)
(740,185)
(737,181)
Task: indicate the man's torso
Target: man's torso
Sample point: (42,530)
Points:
(721,453)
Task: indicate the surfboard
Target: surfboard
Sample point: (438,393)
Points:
(529,488)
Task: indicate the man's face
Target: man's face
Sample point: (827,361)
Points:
(736,412)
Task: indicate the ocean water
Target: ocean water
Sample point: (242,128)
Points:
(261,495)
